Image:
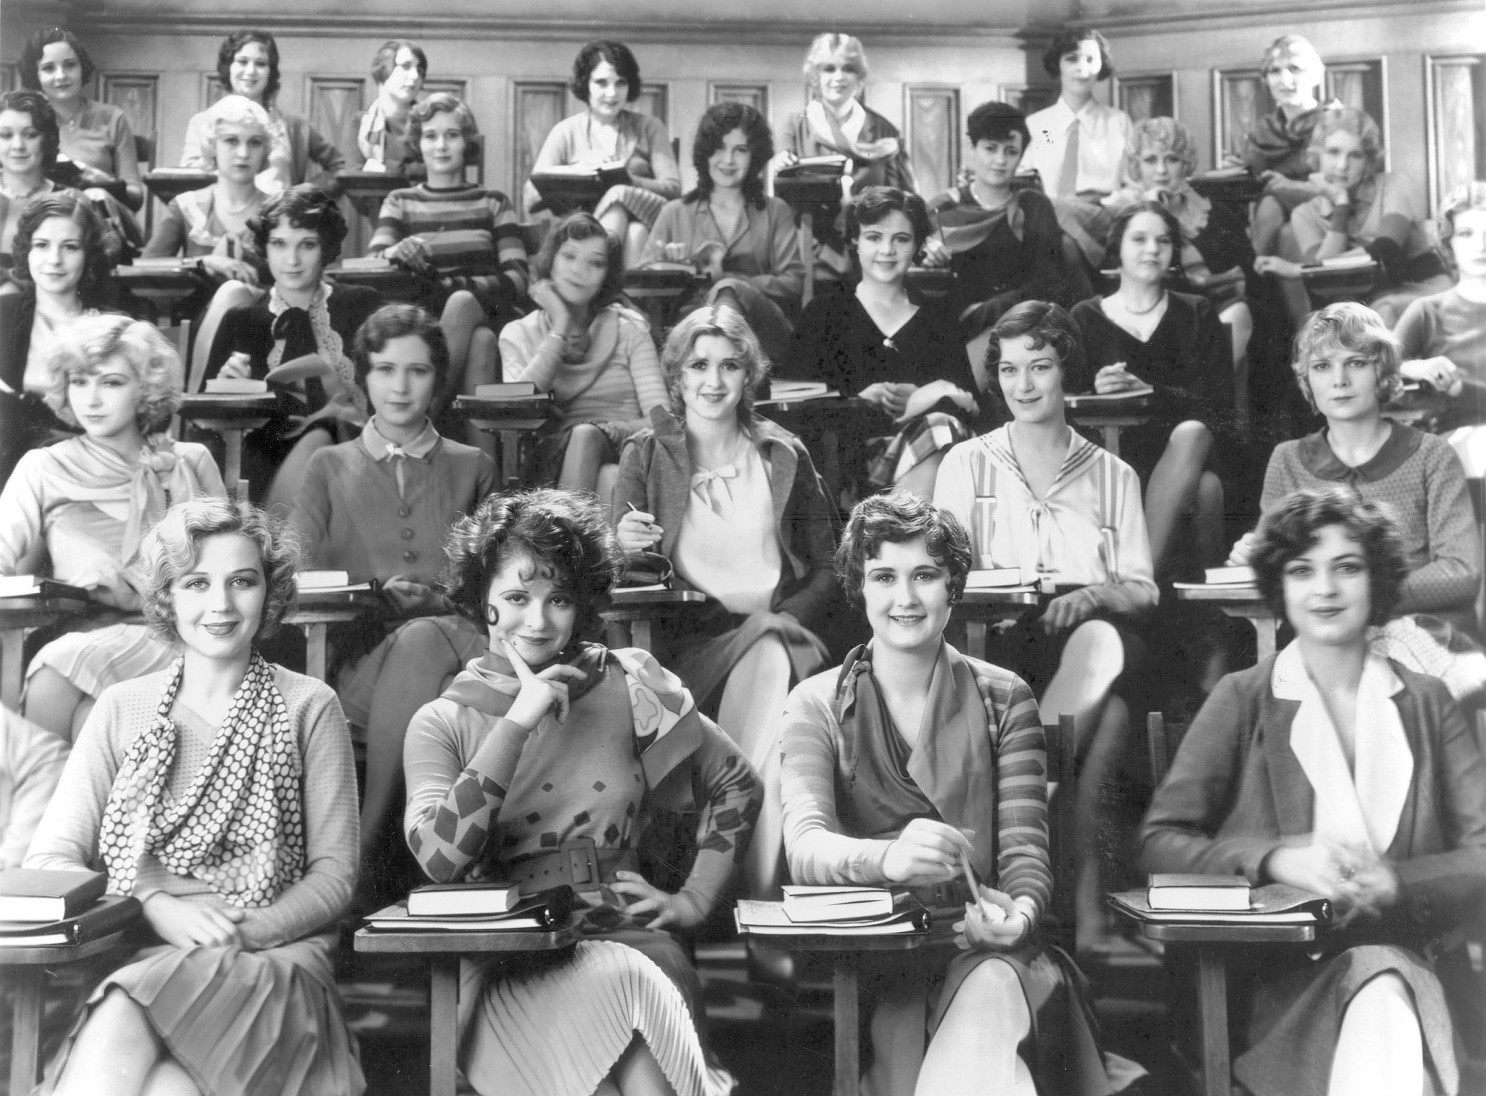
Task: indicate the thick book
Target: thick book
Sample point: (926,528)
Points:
(321,579)
(1241,575)
(1271,904)
(786,391)
(769,919)
(1215,893)
(842,903)
(1094,401)
(462,899)
(109,914)
(993,578)
(31,586)
(830,164)
(506,390)
(544,910)
(36,895)
(239,386)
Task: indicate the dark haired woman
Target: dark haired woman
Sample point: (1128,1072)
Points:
(1330,768)
(898,764)
(878,343)
(28,153)
(606,77)
(377,508)
(551,751)
(591,351)
(220,792)
(398,69)
(248,65)
(744,241)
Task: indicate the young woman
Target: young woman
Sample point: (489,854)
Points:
(1346,363)
(898,764)
(1060,508)
(1002,241)
(905,356)
(1330,768)
(1143,334)
(76,510)
(550,751)
(28,152)
(220,792)
(1077,143)
(59,272)
(382,136)
(305,320)
(741,239)
(592,352)
(248,65)
(606,78)
(735,504)
(378,508)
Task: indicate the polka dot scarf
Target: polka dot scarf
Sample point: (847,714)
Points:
(239,826)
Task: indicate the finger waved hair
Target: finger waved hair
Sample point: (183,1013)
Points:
(1354,329)
(893,518)
(88,343)
(726,323)
(172,548)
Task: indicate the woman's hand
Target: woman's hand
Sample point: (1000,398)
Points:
(223,267)
(708,258)
(782,159)
(667,910)
(559,313)
(637,531)
(238,366)
(925,853)
(408,596)
(185,924)
(540,693)
(926,396)
(1440,373)
(1116,378)
(1335,192)
(995,923)
(1273,264)
(936,254)
(1067,611)
(1358,882)
(411,252)
(1371,890)
(891,397)
(1243,549)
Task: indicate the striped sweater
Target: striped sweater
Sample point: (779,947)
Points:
(471,232)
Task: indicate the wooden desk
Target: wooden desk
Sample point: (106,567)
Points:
(230,416)
(659,291)
(1111,414)
(1329,284)
(931,282)
(1240,602)
(514,422)
(822,422)
(636,610)
(978,609)
(162,286)
(167,183)
(806,193)
(366,189)
(19,617)
(444,950)
(26,971)
(395,283)
(1240,189)
(316,610)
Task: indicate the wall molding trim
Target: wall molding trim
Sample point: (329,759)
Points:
(1272,12)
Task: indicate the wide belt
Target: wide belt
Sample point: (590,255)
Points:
(579,863)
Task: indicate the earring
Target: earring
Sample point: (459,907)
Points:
(492,615)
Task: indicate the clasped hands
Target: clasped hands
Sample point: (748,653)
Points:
(1360,883)
(927,853)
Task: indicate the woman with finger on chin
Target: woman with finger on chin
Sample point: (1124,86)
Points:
(1330,768)
(551,750)
(901,764)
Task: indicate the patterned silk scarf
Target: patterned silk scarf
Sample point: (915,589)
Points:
(966,224)
(238,827)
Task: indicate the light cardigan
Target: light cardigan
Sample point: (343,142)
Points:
(305,146)
(1103,133)
(1449,326)
(764,251)
(1384,205)
(1060,532)
(68,835)
(644,148)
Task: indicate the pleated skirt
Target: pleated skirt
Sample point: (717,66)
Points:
(557,1028)
(241,1023)
(92,659)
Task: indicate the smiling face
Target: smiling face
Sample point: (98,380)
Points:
(1327,594)
(442,144)
(60,73)
(400,383)
(249,71)
(579,268)
(296,258)
(885,249)
(241,150)
(1160,167)
(20,144)
(1078,69)
(1344,384)
(57,256)
(728,166)
(906,596)
(608,92)
(1343,161)
(404,81)
(218,602)
(1293,80)
(527,605)
(1145,248)
(1031,379)
(712,379)
(105,402)
(839,80)
(1468,243)
(994,160)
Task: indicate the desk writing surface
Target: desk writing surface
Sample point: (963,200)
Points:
(459,941)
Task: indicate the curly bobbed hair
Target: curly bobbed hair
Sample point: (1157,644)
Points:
(93,286)
(90,342)
(236,41)
(304,206)
(725,322)
(1356,329)
(895,517)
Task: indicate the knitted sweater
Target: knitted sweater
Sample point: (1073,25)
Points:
(471,233)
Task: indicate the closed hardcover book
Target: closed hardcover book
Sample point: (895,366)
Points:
(833,903)
(993,578)
(544,910)
(1223,893)
(321,579)
(31,586)
(1242,575)
(237,386)
(506,390)
(1271,904)
(456,899)
(109,914)
(31,894)
(770,919)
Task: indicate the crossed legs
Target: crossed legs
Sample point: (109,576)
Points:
(118,1052)
(974,1048)
(1182,487)
(1379,1049)
(56,704)
(749,710)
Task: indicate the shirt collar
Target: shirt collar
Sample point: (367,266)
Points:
(1289,680)
(381,449)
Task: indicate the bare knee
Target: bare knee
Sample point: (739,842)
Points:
(1190,442)
(1095,649)
(461,309)
(120,1022)
(992,990)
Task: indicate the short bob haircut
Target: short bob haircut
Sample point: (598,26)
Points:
(35,48)
(617,54)
(728,323)
(873,205)
(997,121)
(1067,41)
(43,118)
(235,42)
(396,321)
(825,46)
(232,110)
(561,531)
(1161,133)
(440,102)
(1460,200)
(1292,527)
(1360,125)
(386,58)
(1356,329)
(1122,221)
(93,286)
(88,342)
(1296,48)
(584,226)
(173,545)
(303,206)
(892,518)
(1047,325)
(717,122)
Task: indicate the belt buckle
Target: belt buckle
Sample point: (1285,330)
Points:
(580,863)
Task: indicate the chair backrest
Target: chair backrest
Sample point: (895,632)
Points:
(144,151)
(1062,751)
(1162,740)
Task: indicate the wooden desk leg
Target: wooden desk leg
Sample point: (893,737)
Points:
(233,440)
(12,644)
(25,1039)
(1212,1003)
(510,457)
(443,1027)
(314,649)
(640,635)
(847,1080)
(807,245)
(1111,439)
(975,638)
(1265,631)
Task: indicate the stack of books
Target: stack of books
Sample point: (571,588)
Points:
(834,911)
(1208,899)
(49,908)
(476,907)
